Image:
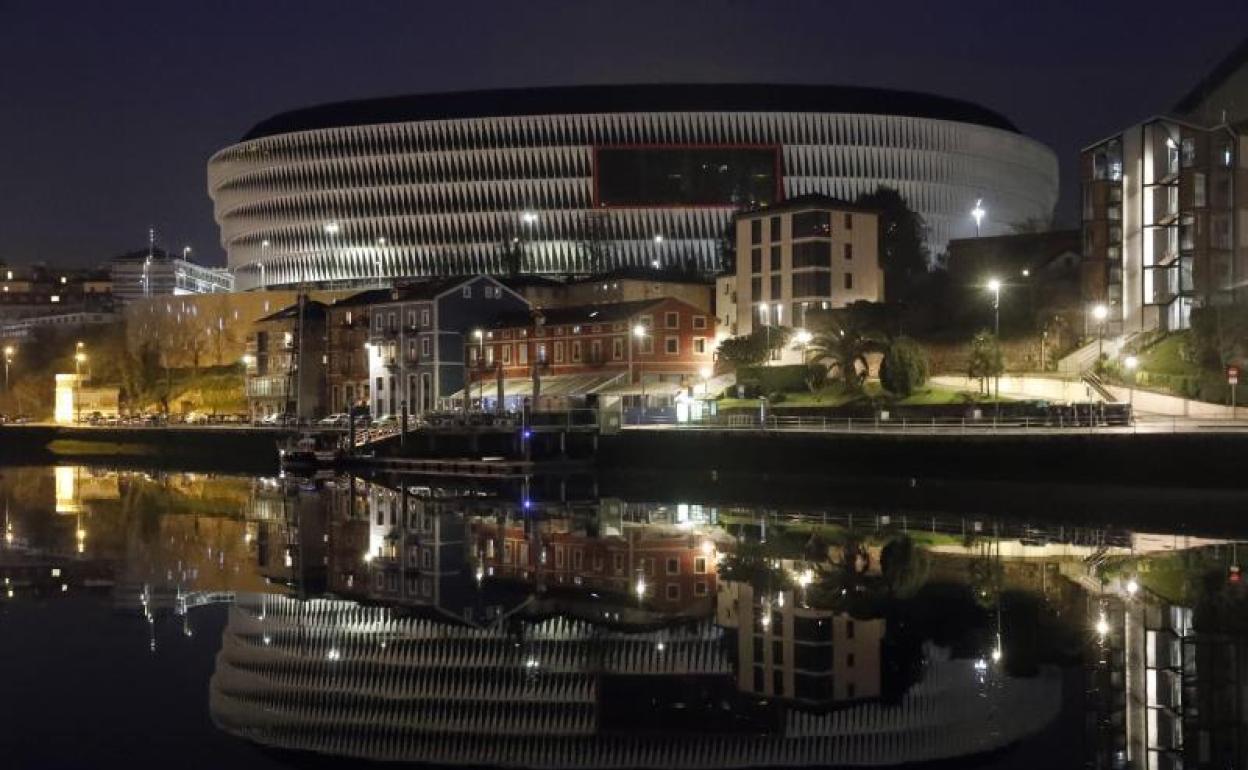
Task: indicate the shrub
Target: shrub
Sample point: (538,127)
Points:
(777,397)
(774,378)
(904,368)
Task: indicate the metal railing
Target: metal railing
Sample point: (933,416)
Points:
(884,425)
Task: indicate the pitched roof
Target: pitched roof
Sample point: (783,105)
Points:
(407,292)
(623,98)
(311,309)
(1224,69)
(803,202)
(578,314)
(644,274)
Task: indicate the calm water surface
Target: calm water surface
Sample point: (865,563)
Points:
(207,621)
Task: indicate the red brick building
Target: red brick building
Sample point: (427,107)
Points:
(663,342)
(676,571)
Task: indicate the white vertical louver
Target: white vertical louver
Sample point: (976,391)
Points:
(445,194)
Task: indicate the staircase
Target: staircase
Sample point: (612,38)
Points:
(1084,359)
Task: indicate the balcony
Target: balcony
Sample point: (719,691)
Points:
(268,387)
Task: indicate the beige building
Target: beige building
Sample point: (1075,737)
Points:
(804,254)
(788,650)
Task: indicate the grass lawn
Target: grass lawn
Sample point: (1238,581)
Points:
(1165,358)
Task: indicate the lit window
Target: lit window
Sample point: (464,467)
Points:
(55,298)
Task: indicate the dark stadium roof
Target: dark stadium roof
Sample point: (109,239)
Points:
(671,97)
(1217,76)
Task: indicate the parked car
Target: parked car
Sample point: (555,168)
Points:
(334,421)
(279,419)
(196,418)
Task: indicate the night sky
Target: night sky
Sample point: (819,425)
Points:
(111,109)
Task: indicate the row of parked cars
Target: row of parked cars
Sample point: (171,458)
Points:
(14,419)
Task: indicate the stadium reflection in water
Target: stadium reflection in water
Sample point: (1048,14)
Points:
(383,621)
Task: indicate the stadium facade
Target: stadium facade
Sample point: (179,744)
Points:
(580,179)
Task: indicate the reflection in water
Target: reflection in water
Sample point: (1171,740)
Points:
(487,627)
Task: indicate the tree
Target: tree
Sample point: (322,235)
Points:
(904,368)
(985,360)
(816,376)
(904,566)
(1221,334)
(903,234)
(844,347)
(754,348)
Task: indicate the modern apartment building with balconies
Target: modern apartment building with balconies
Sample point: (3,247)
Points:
(1164,207)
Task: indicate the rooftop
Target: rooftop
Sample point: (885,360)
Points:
(579,314)
(804,203)
(667,97)
(311,309)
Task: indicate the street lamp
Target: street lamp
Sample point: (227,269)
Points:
(994,286)
(1130,363)
(80,358)
(977,214)
(639,331)
(1100,312)
(480,335)
(9,350)
(803,338)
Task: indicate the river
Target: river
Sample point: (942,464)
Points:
(209,620)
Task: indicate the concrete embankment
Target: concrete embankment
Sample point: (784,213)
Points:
(242,449)
(1191,460)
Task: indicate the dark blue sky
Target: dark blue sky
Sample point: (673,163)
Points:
(110,109)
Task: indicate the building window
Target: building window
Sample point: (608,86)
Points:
(699,565)
(595,351)
(671,345)
(647,344)
(849,660)
(377,322)
(812,254)
(559,352)
(424,317)
(699,588)
(756,231)
(467,291)
(617,563)
(506,352)
(699,345)
(699,322)
(671,320)
(849,280)
(394,321)
(849,629)
(849,221)
(426,346)
(1189,152)
(811,224)
(756,287)
(411,318)
(1198,190)
(775,287)
(673,592)
(775,228)
(617,348)
(1226,156)
(849,251)
(522,353)
(774,262)
(756,260)
(576,351)
(673,566)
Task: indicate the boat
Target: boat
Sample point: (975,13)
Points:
(306,451)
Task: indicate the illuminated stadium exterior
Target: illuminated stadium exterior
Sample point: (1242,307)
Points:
(579,179)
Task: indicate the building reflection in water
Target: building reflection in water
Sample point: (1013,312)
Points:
(381,622)
(473,630)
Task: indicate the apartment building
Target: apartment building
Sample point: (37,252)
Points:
(808,253)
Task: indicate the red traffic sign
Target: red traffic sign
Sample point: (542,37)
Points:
(1232,375)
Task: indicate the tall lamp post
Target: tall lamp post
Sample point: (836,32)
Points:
(1100,312)
(480,335)
(80,358)
(9,350)
(639,332)
(803,338)
(994,286)
(978,214)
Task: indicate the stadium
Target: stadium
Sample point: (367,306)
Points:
(572,180)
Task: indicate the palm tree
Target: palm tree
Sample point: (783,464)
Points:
(844,347)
